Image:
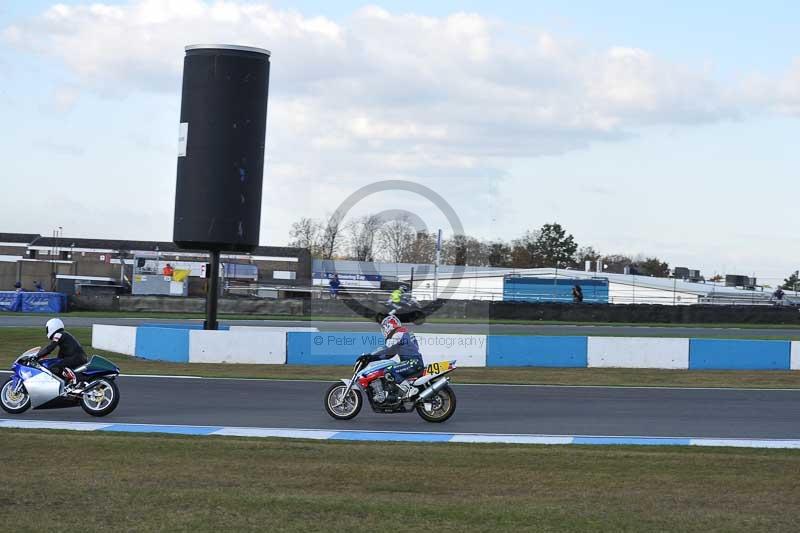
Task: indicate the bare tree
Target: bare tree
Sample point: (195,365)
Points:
(477,252)
(331,237)
(363,232)
(465,250)
(396,239)
(305,233)
(423,248)
(585,253)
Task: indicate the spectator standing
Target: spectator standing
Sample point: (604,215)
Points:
(168,270)
(577,294)
(335,284)
(778,296)
(18,287)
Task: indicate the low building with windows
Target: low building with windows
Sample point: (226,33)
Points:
(30,257)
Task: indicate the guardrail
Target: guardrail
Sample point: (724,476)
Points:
(305,346)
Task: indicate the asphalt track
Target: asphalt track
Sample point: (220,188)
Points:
(599,411)
(494,329)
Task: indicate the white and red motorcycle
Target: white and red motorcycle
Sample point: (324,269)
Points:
(434,400)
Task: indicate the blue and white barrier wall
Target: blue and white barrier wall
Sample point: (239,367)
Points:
(192,345)
(518,350)
(117,339)
(713,354)
(336,348)
(263,345)
(250,347)
(637,352)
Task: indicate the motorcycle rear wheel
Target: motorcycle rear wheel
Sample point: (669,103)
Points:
(443,405)
(101,400)
(14,404)
(341,403)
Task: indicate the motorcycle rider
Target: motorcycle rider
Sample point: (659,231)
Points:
(70,352)
(399,298)
(401,342)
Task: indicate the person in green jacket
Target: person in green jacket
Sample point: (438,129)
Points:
(399,297)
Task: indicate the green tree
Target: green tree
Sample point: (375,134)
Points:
(549,246)
(498,254)
(652,266)
(554,246)
(791,283)
(616,263)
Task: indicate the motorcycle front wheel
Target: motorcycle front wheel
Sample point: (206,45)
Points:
(342,402)
(438,407)
(101,400)
(14,403)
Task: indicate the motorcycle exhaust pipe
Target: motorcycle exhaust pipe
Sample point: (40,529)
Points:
(91,386)
(433,389)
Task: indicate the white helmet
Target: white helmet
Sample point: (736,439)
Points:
(389,324)
(53,325)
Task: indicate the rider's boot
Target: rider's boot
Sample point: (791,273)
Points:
(70,376)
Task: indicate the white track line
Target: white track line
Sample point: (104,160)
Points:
(528,385)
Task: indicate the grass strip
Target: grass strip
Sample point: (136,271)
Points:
(16,340)
(433,320)
(161,482)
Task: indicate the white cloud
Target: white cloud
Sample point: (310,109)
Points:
(65,97)
(781,96)
(431,93)
(451,101)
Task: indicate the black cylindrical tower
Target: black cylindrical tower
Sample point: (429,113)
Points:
(221,147)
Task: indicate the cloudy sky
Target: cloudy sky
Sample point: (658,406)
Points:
(663,128)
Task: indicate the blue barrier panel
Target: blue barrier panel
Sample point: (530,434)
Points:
(518,350)
(33,302)
(522,289)
(163,344)
(716,354)
(10,301)
(43,302)
(329,348)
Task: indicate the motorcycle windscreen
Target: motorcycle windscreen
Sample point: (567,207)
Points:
(99,364)
(42,387)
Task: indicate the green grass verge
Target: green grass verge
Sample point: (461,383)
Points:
(16,340)
(433,320)
(154,482)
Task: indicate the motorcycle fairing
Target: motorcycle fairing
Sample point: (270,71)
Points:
(378,365)
(97,366)
(42,386)
(373,371)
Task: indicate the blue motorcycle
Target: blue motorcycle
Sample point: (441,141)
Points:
(33,385)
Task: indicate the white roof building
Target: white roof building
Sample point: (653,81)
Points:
(486,283)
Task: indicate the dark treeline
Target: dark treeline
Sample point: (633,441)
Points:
(369,238)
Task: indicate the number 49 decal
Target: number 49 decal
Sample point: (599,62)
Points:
(436,368)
